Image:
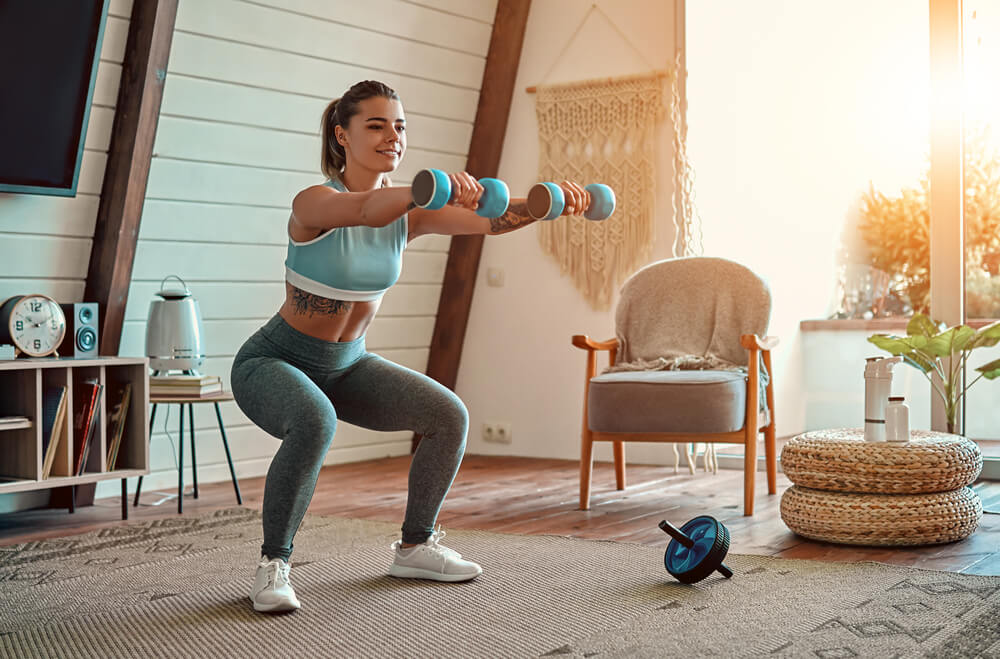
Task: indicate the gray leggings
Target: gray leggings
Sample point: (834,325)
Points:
(296,387)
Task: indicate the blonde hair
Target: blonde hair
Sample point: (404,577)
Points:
(339,113)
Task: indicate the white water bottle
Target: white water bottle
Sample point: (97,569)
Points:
(878,385)
(897,420)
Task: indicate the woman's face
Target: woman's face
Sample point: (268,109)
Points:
(376,136)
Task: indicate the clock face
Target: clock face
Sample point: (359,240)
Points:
(37,325)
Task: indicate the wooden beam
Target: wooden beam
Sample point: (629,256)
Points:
(123,192)
(485,148)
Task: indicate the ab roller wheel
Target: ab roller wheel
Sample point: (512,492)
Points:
(697,549)
(432,190)
(546,201)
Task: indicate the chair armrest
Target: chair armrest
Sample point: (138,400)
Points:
(754,342)
(586,343)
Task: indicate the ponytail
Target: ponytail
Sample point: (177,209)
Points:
(333,158)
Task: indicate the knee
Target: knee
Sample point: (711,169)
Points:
(315,426)
(455,418)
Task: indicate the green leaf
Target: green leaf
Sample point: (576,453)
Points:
(918,362)
(921,325)
(990,371)
(894,345)
(947,342)
(985,337)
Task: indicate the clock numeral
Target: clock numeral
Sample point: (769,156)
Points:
(55,324)
(19,325)
(36,306)
(38,344)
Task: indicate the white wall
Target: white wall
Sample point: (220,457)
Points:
(45,240)
(518,366)
(793,108)
(238,136)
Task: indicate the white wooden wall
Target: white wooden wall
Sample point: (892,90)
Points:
(238,136)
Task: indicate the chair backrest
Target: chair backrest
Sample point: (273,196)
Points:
(690,306)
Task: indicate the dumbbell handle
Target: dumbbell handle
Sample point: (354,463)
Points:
(688,543)
(432,190)
(546,201)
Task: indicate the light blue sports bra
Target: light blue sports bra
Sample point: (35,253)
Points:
(354,263)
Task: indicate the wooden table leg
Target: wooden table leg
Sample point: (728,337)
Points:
(180,468)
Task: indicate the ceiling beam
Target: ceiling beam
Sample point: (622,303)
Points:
(144,69)
(485,147)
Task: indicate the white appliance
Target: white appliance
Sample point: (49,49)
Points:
(173,330)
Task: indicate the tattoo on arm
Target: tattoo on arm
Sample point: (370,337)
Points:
(314,304)
(516,217)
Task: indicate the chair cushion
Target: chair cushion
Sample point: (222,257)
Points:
(667,401)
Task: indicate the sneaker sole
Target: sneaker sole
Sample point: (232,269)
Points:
(277,607)
(417,573)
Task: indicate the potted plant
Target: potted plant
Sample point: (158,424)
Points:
(928,345)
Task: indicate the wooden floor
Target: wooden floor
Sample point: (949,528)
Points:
(539,496)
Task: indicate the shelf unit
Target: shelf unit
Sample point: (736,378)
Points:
(22,382)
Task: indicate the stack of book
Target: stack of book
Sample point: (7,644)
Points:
(87,401)
(116,424)
(54,426)
(185,386)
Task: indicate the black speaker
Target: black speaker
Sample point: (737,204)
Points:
(81,338)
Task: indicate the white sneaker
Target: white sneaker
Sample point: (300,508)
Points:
(272,590)
(431,560)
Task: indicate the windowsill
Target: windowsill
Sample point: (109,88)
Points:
(876,325)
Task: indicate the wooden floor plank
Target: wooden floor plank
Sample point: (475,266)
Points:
(540,496)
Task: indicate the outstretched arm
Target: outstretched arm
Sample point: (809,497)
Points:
(456,221)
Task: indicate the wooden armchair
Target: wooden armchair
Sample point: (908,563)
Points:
(715,309)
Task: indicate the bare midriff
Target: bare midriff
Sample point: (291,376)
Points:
(326,319)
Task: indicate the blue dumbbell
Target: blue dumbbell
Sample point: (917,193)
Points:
(432,190)
(546,201)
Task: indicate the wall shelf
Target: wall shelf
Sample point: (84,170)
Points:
(22,382)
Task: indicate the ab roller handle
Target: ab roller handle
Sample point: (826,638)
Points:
(432,190)
(546,201)
(697,549)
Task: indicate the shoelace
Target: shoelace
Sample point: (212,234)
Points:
(433,543)
(278,572)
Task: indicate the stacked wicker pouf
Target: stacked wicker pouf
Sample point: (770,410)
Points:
(855,492)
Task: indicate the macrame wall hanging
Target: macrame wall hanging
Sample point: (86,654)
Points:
(602,131)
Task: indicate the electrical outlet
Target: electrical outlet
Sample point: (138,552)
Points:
(503,433)
(497,432)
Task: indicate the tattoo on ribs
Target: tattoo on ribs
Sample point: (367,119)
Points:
(516,216)
(314,304)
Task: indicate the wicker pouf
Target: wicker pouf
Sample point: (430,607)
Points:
(851,491)
(881,519)
(841,461)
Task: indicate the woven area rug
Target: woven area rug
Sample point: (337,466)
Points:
(178,587)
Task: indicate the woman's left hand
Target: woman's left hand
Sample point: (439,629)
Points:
(577,199)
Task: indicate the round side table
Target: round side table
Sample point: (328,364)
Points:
(851,491)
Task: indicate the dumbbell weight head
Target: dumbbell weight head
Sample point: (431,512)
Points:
(495,199)
(602,201)
(697,549)
(431,189)
(546,201)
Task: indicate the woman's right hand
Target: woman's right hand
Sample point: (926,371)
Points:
(465,190)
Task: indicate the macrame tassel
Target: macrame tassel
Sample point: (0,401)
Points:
(601,131)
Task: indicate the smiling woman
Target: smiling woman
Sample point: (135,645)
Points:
(308,367)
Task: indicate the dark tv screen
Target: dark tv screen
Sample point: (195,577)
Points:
(49,50)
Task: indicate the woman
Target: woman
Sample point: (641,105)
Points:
(308,368)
